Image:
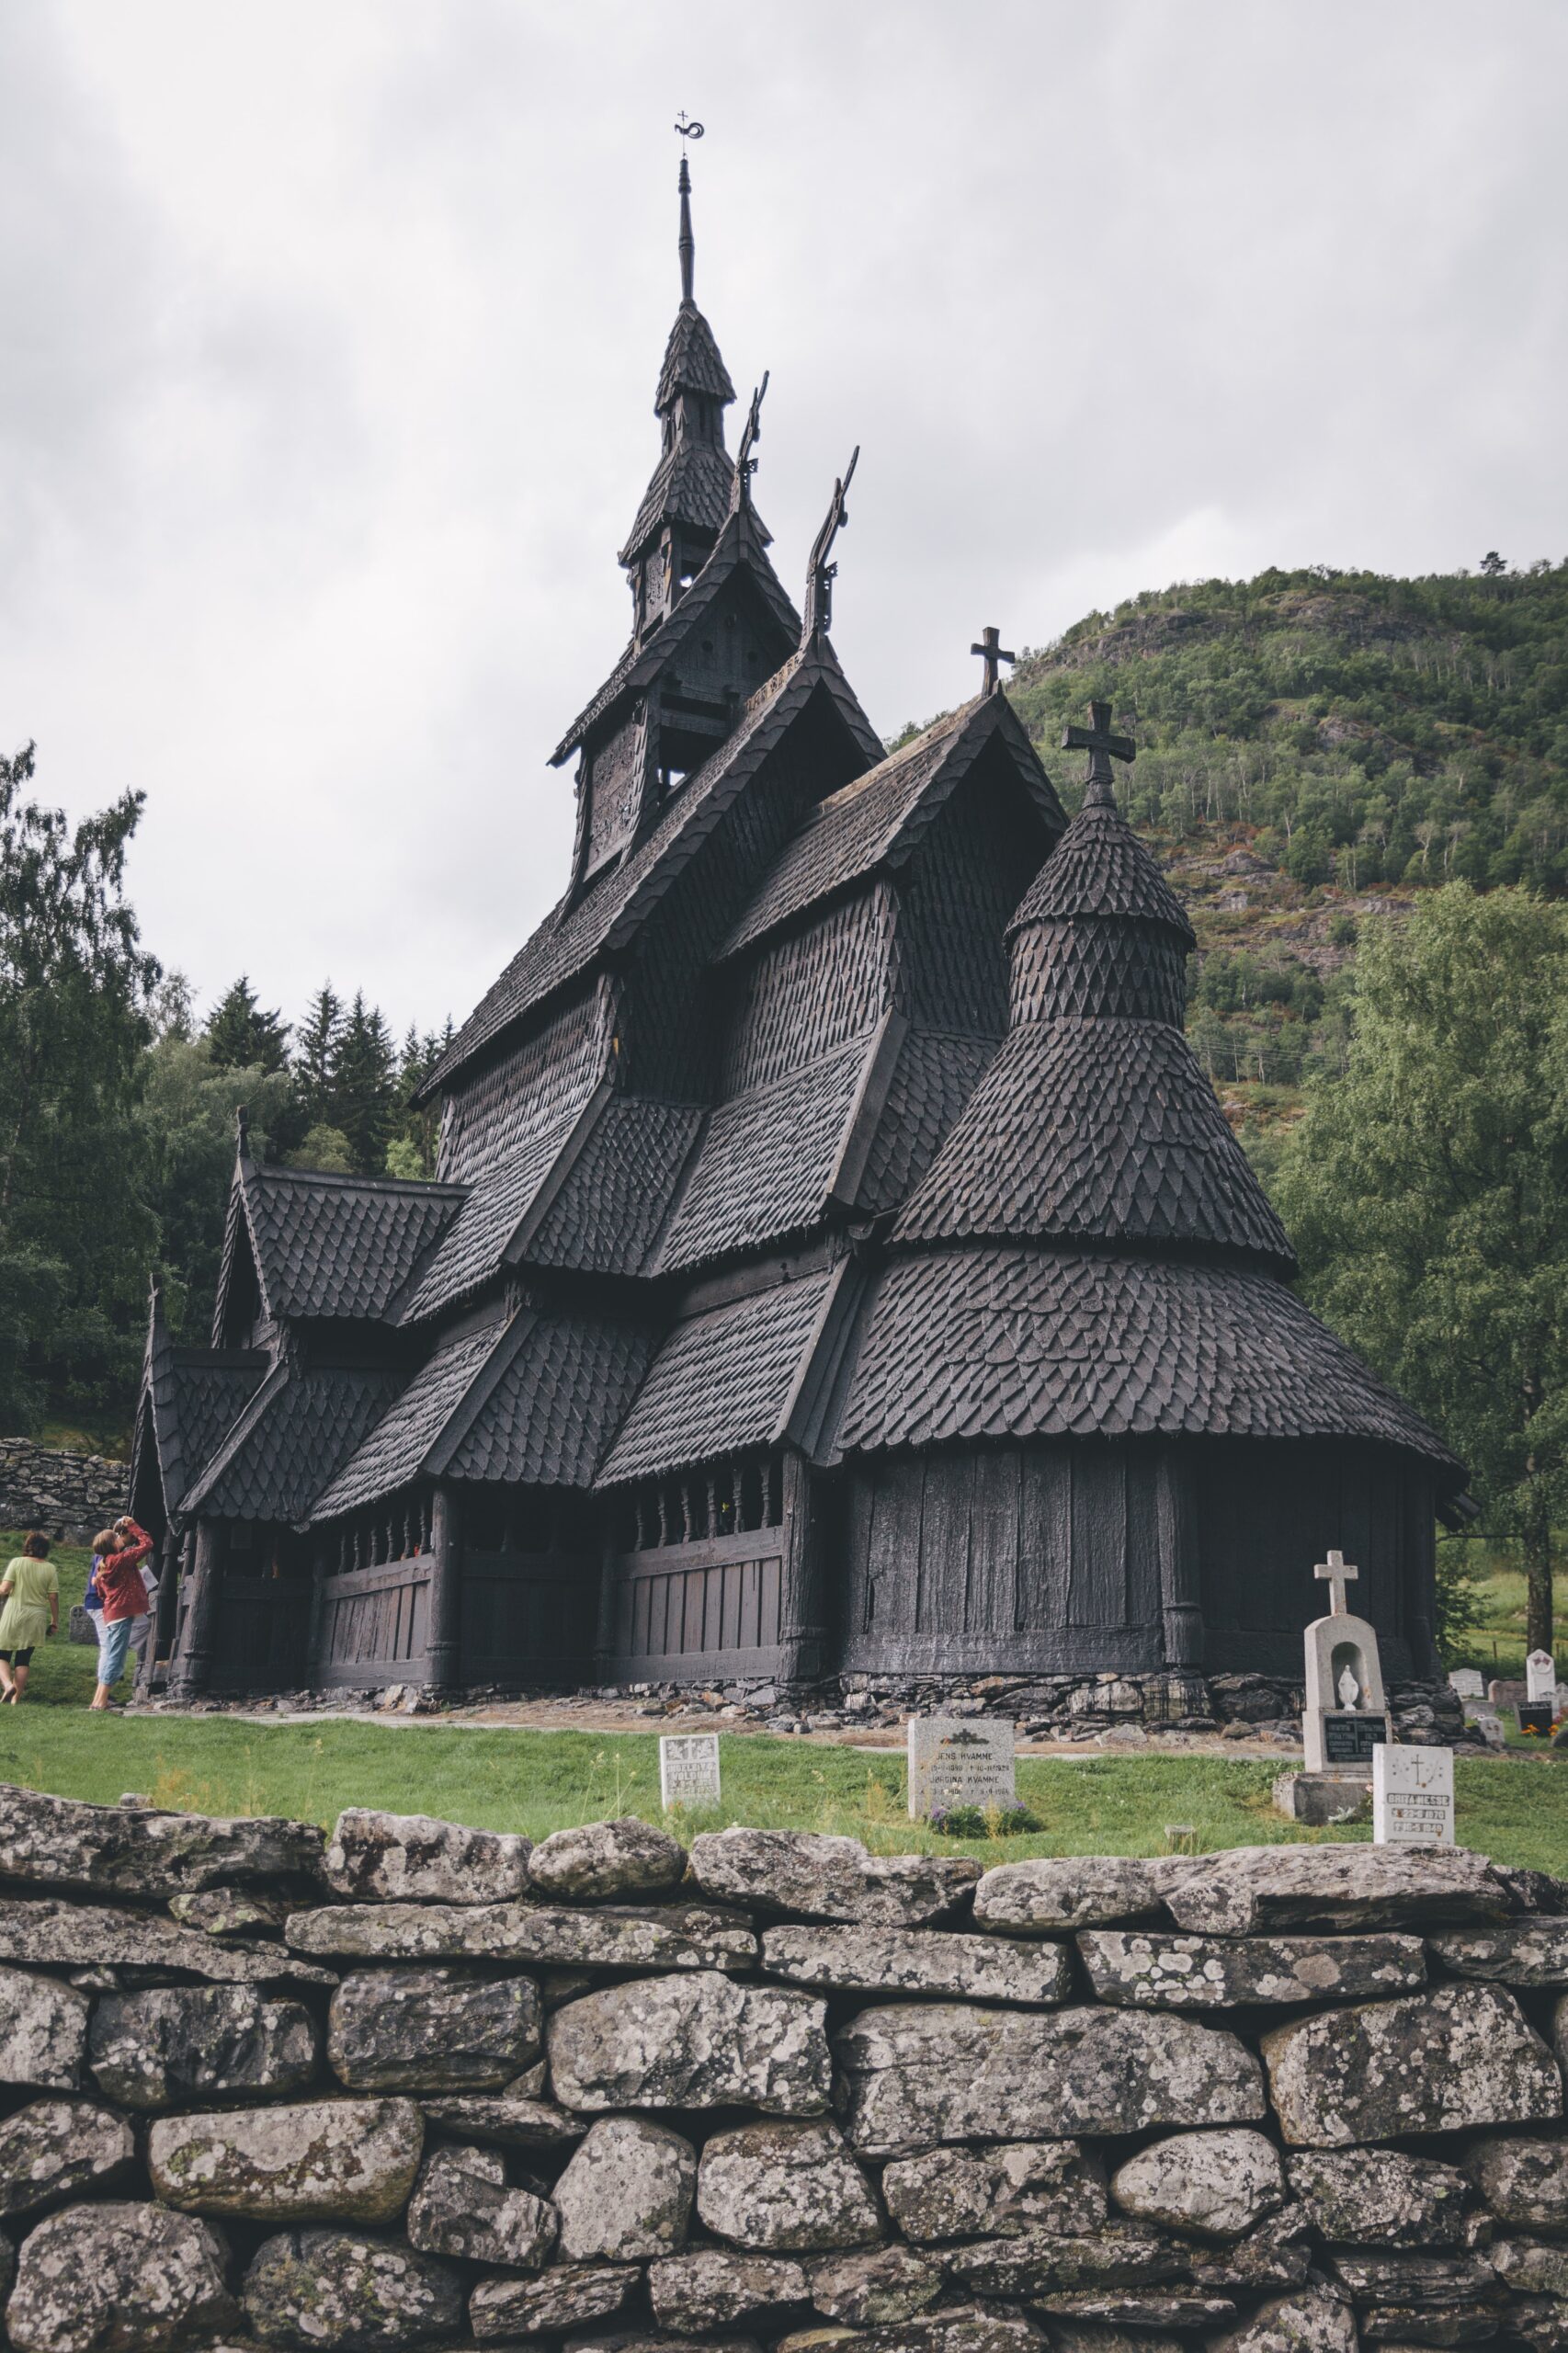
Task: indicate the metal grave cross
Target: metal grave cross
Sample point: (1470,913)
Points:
(1339,1572)
(993,653)
(1101,746)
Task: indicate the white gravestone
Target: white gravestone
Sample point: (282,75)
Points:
(1540,1679)
(1413,1797)
(953,1762)
(688,1768)
(1468,1683)
(1346,1717)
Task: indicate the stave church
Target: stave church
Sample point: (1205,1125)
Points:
(838,1263)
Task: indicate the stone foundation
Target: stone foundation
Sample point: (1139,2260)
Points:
(67,1496)
(415,2084)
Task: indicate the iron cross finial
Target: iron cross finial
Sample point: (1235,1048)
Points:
(1102,747)
(688,129)
(1339,1572)
(993,653)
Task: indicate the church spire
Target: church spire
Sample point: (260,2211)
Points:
(693,485)
(687,242)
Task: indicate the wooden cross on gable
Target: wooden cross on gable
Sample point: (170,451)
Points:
(1102,747)
(993,653)
(1340,1573)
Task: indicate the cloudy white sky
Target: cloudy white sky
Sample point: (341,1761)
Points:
(331,331)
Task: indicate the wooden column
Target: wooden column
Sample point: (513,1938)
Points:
(609,1599)
(1181,1591)
(443,1658)
(191,1672)
(802,1629)
(160,1634)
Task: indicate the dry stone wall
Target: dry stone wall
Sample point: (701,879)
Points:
(416,2086)
(68,1496)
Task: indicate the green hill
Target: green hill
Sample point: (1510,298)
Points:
(1313,749)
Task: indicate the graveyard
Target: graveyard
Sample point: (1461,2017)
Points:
(496,1775)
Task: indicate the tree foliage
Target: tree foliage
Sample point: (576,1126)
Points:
(241,1036)
(1427,1191)
(75,1231)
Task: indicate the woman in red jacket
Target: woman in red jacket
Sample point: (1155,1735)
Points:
(122,1549)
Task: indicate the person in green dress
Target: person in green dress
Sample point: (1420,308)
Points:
(30,1592)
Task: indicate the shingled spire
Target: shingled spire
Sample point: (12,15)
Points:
(1094,1121)
(686,503)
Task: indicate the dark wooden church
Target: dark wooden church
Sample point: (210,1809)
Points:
(838,1260)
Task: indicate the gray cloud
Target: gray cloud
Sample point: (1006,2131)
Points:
(330,337)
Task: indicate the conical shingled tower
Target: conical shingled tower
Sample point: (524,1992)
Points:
(1094,1123)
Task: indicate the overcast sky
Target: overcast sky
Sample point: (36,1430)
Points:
(331,329)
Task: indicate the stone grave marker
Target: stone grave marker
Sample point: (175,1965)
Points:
(1540,1679)
(688,1768)
(1506,1691)
(1413,1797)
(1346,1719)
(1468,1683)
(954,1761)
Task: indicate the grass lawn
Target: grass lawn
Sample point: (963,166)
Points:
(536,1781)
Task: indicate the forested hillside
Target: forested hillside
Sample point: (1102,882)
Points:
(1314,749)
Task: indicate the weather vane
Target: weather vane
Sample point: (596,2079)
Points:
(688,130)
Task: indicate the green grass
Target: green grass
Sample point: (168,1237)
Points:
(1495,1642)
(537,1781)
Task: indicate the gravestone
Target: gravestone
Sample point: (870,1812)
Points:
(1346,1719)
(1537,1717)
(1506,1691)
(954,1762)
(688,1768)
(1540,1679)
(1468,1682)
(1413,1797)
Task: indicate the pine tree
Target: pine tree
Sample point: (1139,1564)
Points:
(364,1085)
(413,1149)
(315,1050)
(242,1037)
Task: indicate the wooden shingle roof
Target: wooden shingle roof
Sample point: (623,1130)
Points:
(1100,867)
(881,817)
(741,545)
(725,1380)
(577,933)
(692,362)
(558,1394)
(1095,1130)
(394,1452)
(190,1398)
(1016,1342)
(769,1158)
(694,483)
(338,1247)
(295,1434)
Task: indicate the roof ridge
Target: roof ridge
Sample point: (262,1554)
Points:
(343,1179)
